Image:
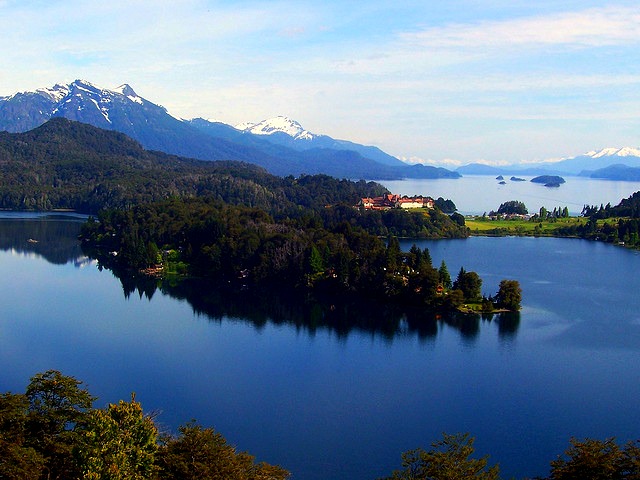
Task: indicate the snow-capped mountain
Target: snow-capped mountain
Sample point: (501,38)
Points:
(283,130)
(595,164)
(123,110)
(279,124)
(614,152)
(283,147)
(79,100)
(597,159)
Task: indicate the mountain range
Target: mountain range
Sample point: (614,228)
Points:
(266,144)
(279,144)
(607,163)
(285,131)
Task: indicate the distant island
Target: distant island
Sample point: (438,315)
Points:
(517,179)
(549,180)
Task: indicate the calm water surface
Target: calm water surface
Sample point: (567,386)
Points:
(476,194)
(342,401)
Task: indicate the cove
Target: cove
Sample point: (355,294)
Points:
(338,391)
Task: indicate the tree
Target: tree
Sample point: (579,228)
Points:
(470,283)
(17,459)
(203,454)
(445,277)
(543,213)
(509,295)
(425,259)
(316,262)
(448,459)
(393,254)
(455,298)
(57,404)
(118,443)
(513,207)
(590,460)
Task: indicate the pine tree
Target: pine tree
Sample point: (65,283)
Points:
(445,277)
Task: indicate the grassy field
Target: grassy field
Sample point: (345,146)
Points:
(480,226)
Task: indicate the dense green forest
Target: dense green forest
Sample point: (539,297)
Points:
(53,431)
(614,224)
(337,249)
(69,165)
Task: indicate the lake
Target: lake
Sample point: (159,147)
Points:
(476,194)
(339,391)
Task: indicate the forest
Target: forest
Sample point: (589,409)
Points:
(338,250)
(614,224)
(69,165)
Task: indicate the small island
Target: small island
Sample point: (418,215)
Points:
(549,180)
(517,179)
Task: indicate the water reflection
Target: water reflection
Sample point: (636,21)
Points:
(53,238)
(310,314)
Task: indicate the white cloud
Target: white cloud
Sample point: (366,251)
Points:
(589,28)
(462,90)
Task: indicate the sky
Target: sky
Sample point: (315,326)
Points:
(446,82)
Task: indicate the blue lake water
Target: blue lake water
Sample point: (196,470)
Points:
(476,194)
(301,388)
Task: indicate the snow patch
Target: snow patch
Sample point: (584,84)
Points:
(56,94)
(126,90)
(103,111)
(614,152)
(279,124)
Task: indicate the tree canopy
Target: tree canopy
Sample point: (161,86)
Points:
(448,459)
(52,431)
(513,207)
(509,295)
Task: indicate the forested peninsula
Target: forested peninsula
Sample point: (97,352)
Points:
(331,250)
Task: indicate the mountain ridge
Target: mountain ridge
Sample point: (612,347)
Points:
(282,130)
(73,165)
(123,110)
(580,165)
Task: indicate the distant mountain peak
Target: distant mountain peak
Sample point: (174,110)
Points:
(279,124)
(59,93)
(55,93)
(126,90)
(614,152)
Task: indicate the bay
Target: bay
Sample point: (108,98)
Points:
(333,391)
(477,194)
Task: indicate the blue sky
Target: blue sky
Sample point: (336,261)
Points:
(440,82)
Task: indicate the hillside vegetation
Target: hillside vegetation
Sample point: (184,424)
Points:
(69,165)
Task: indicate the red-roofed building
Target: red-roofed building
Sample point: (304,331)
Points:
(391,200)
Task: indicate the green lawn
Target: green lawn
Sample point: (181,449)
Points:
(480,226)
